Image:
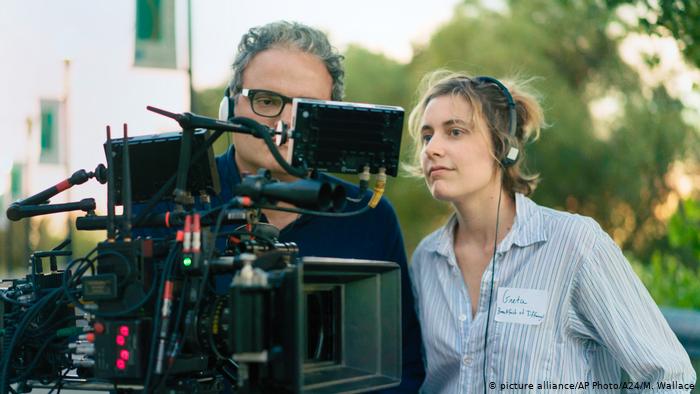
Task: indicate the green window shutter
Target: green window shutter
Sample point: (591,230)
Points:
(50,131)
(154,34)
(16,182)
(47,130)
(148,20)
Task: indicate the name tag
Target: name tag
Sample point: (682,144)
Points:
(523,306)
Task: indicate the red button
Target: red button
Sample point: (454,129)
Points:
(124,354)
(121,364)
(99,328)
(121,340)
(124,330)
(90,337)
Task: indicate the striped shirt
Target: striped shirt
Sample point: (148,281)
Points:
(567,309)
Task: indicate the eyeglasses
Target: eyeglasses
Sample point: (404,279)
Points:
(266,103)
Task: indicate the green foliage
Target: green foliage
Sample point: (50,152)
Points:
(14,248)
(85,241)
(669,282)
(612,171)
(673,276)
(679,18)
(376,79)
(684,233)
(206,102)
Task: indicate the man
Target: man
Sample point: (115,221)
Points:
(275,63)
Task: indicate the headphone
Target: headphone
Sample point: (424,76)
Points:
(226,106)
(512,153)
(508,160)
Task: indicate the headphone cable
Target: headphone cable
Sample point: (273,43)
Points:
(493,270)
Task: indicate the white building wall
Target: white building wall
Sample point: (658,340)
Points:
(100,87)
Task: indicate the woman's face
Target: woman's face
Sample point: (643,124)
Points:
(456,156)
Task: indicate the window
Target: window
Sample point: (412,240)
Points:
(155,34)
(149,20)
(50,127)
(16,182)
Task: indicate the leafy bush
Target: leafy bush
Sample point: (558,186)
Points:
(684,233)
(672,276)
(670,282)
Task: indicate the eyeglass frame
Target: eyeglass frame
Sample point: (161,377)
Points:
(250,93)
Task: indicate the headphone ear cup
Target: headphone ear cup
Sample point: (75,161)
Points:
(224,109)
(226,106)
(511,156)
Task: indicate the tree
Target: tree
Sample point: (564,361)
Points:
(678,18)
(612,171)
(206,102)
(374,78)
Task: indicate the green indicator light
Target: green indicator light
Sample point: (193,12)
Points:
(187,261)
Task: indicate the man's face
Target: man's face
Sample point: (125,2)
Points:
(291,73)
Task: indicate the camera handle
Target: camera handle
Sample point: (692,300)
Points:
(38,204)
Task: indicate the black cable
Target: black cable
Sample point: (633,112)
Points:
(86,258)
(28,317)
(157,318)
(316,213)
(127,262)
(210,254)
(67,281)
(205,275)
(262,131)
(217,227)
(178,321)
(183,301)
(493,270)
(364,185)
(81,307)
(49,325)
(59,383)
(232,378)
(28,369)
(9,300)
(50,322)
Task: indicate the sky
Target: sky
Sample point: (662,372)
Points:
(388,26)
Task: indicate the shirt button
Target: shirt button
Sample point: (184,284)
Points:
(462,317)
(467,360)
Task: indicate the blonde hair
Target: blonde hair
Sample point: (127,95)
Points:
(490,108)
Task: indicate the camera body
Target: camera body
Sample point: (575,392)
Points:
(144,313)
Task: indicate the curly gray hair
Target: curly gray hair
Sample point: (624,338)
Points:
(288,35)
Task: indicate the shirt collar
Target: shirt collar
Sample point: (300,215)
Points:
(528,229)
(445,237)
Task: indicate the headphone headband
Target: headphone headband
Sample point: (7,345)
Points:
(511,155)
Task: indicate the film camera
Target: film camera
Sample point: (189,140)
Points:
(142,313)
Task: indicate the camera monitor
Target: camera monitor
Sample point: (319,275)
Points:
(334,136)
(154,159)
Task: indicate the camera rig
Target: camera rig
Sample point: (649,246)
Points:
(141,313)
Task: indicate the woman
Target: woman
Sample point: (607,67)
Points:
(511,295)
